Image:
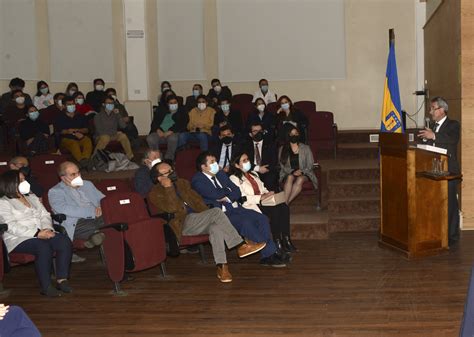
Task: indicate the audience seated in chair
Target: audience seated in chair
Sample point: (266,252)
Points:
(52,112)
(130,129)
(34,132)
(43,97)
(108,123)
(168,122)
(72,130)
(15,322)
(225,148)
(96,97)
(264,93)
(82,107)
(191,101)
(287,117)
(254,192)
(7,97)
(30,231)
(218,93)
(262,153)
(262,116)
(16,110)
(227,115)
(72,89)
(79,200)
(192,217)
(217,190)
(21,164)
(200,124)
(142,181)
(296,165)
(164,87)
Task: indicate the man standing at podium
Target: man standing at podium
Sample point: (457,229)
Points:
(444,133)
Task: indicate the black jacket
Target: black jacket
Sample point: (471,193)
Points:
(447,138)
(180,118)
(217,148)
(29,129)
(269,152)
(225,93)
(234,119)
(296,116)
(268,121)
(95,99)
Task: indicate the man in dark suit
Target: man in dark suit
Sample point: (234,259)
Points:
(262,154)
(444,133)
(225,148)
(217,190)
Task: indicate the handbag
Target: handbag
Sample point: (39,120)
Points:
(276,199)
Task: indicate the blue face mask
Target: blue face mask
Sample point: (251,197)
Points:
(33,115)
(44,90)
(71,108)
(196,93)
(214,168)
(264,88)
(225,107)
(285,106)
(109,106)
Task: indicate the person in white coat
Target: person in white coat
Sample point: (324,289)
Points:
(30,231)
(253,193)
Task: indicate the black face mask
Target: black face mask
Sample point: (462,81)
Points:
(26,171)
(227,140)
(294,139)
(258,137)
(173,177)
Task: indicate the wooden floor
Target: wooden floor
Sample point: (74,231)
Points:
(344,286)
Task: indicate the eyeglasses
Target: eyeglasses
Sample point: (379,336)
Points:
(434,109)
(165,174)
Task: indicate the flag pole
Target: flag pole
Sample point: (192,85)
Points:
(391,37)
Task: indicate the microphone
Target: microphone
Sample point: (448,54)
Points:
(427,122)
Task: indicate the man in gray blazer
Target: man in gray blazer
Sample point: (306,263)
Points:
(79,200)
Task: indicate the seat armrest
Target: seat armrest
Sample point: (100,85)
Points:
(59,218)
(165,216)
(3,228)
(118,226)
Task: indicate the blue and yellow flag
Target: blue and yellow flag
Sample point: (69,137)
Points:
(391,120)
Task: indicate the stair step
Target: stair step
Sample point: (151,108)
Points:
(356,205)
(355,223)
(355,188)
(311,225)
(335,175)
(358,151)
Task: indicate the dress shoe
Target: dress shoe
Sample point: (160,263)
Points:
(64,287)
(288,245)
(249,247)
(273,261)
(51,292)
(223,273)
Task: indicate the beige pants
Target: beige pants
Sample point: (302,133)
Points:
(121,137)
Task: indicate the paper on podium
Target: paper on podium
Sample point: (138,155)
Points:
(432,148)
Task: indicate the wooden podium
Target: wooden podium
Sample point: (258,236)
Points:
(414,203)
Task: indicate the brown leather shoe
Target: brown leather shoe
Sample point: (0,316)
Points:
(223,273)
(249,248)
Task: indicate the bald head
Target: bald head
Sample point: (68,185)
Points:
(65,167)
(18,162)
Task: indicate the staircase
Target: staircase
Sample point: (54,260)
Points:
(351,192)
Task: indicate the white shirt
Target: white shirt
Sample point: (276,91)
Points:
(441,121)
(259,145)
(43,101)
(269,97)
(222,156)
(219,184)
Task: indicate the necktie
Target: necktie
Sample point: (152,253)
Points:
(227,155)
(254,184)
(214,179)
(435,129)
(258,158)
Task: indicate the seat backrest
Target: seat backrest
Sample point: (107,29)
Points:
(185,164)
(307,107)
(108,186)
(245,109)
(126,207)
(242,98)
(272,107)
(321,125)
(180,100)
(46,163)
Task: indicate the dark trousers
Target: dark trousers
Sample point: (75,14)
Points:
(16,323)
(253,226)
(270,180)
(44,250)
(279,216)
(453,211)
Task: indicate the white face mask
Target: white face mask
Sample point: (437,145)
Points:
(80,101)
(154,162)
(246,167)
(261,107)
(24,187)
(217,88)
(76,182)
(201,106)
(214,168)
(20,99)
(173,107)
(99,87)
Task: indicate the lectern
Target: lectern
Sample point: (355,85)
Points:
(414,202)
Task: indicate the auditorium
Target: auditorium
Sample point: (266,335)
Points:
(236,168)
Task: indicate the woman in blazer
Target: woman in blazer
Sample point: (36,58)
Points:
(254,192)
(30,231)
(296,165)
